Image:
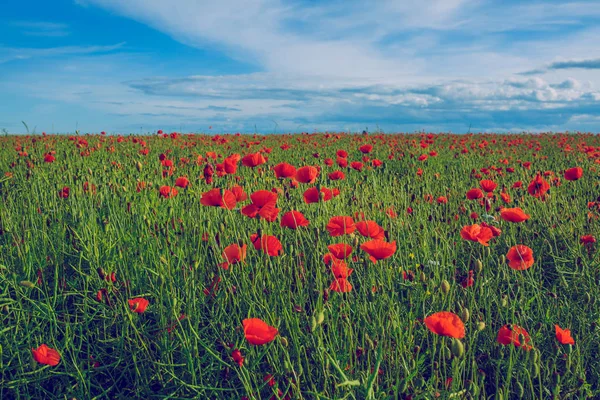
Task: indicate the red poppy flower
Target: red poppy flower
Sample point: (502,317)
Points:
(342,153)
(370,229)
(340,269)
(378,249)
(257,331)
(510,334)
(513,215)
(218,198)
(495,231)
(341,285)
(167,192)
(263,204)
(445,323)
(46,355)
(340,250)
(366,148)
(442,200)
(237,357)
(488,185)
(233,254)
(230,163)
(520,257)
(253,160)
(341,225)
(294,219)
(313,195)
(64,192)
(337,175)
(307,174)
(563,335)
(239,193)
(573,174)
(49,158)
(284,170)
(182,182)
(138,305)
(356,165)
(477,233)
(538,187)
(474,194)
(268,244)
(341,162)
(587,239)
(505,197)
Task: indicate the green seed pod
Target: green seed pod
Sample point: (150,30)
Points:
(478,266)
(480,326)
(445,287)
(27,284)
(313,323)
(464,314)
(457,348)
(320,317)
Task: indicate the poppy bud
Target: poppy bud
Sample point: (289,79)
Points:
(422,276)
(480,326)
(320,317)
(27,284)
(457,348)
(138,165)
(569,348)
(478,266)
(502,259)
(113,277)
(504,301)
(464,314)
(445,287)
(283,341)
(313,323)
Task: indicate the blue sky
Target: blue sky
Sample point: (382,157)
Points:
(279,66)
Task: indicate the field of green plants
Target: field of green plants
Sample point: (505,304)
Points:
(308,266)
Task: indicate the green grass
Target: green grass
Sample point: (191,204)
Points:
(370,344)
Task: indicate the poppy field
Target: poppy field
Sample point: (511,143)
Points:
(305,266)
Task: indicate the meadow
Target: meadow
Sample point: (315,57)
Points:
(306,266)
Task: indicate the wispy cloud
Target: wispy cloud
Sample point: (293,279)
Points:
(40,28)
(11,54)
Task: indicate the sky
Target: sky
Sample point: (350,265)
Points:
(274,66)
